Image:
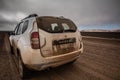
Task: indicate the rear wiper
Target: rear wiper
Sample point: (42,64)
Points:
(69,30)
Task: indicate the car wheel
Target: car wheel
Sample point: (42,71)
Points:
(72,61)
(23,71)
(11,50)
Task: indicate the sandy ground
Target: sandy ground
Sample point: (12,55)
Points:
(8,70)
(100,61)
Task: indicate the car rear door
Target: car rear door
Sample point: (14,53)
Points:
(57,36)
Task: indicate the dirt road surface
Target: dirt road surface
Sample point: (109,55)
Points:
(100,61)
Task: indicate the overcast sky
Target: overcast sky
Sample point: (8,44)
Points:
(82,12)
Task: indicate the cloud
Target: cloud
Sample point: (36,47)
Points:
(83,12)
(12,17)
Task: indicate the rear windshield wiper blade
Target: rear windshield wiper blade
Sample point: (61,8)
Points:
(69,30)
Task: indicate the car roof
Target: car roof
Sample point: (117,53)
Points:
(54,17)
(36,16)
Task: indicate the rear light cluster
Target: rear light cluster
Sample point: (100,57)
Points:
(35,40)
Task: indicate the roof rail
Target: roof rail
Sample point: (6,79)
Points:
(31,15)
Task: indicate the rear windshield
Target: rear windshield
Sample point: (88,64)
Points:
(56,25)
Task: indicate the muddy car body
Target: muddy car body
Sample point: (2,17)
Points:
(42,42)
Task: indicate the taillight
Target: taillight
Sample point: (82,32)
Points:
(35,40)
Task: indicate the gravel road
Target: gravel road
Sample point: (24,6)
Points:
(100,61)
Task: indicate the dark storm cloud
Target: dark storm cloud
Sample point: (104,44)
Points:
(81,11)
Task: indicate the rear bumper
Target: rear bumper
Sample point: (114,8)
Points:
(55,61)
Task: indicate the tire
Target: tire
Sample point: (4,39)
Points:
(72,61)
(23,71)
(11,50)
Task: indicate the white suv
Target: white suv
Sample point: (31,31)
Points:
(42,42)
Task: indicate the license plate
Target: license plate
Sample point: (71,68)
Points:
(65,46)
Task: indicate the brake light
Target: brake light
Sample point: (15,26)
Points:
(35,40)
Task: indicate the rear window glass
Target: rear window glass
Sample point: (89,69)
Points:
(56,25)
(65,26)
